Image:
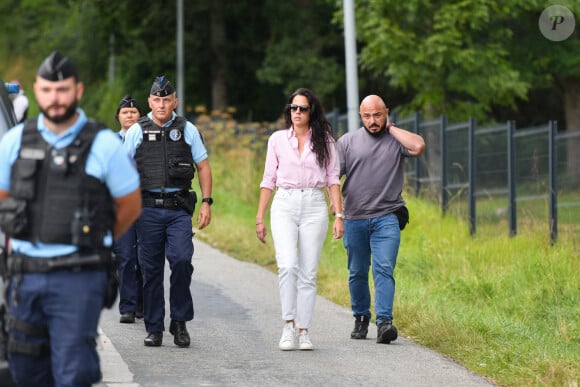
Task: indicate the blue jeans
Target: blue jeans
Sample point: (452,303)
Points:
(377,239)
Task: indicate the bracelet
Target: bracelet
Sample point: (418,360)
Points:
(257,223)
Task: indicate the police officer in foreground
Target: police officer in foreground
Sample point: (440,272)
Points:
(168,150)
(130,278)
(67,189)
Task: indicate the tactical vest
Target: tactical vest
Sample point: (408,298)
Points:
(59,193)
(164,158)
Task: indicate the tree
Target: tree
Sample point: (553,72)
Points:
(450,54)
(463,57)
(559,63)
(304,49)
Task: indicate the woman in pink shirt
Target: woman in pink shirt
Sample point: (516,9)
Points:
(301,163)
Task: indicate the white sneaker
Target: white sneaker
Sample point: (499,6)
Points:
(288,339)
(304,342)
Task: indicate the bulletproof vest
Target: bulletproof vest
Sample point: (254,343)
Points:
(58,191)
(164,158)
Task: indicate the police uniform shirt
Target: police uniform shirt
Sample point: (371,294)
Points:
(107,161)
(134,138)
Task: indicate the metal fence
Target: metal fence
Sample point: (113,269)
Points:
(495,174)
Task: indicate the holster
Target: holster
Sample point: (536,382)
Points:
(3,262)
(112,282)
(187,201)
(5,376)
(3,333)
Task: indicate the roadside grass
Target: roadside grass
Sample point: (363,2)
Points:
(507,308)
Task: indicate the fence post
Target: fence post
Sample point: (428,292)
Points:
(444,193)
(417,129)
(511,153)
(553,178)
(471,173)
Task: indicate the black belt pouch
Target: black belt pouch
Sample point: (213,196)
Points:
(187,201)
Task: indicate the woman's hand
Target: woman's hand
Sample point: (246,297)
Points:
(261,231)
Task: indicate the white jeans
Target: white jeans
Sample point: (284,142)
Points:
(299,223)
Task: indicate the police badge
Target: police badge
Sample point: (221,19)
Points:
(175,135)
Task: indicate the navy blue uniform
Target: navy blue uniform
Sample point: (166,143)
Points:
(130,277)
(164,231)
(64,304)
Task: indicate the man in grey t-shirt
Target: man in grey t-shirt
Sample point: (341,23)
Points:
(372,159)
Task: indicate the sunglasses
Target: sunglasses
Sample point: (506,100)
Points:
(303,108)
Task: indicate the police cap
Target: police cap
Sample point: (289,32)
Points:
(162,87)
(57,67)
(127,102)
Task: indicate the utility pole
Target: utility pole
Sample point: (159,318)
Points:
(111,59)
(180,87)
(351,66)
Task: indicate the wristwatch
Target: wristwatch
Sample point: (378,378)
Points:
(207,200)
(339,215)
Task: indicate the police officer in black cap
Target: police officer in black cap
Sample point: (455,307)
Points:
(168,150)
(127,114)
(130,279)
(67,190)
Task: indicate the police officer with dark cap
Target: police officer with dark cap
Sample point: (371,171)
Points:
(67,190)
(130,279)
(128,112)
(168,150)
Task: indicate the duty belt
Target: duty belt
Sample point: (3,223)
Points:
(19,264)
(162,199)
(163,195)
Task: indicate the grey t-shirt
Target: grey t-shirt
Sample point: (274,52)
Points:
(373,166)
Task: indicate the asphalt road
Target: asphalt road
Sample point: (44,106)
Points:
(235,337)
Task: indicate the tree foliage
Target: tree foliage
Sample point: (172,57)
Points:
(460,57)
(450,54)
(303,50)
(464,57)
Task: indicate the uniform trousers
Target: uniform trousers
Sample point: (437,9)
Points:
(130,278)
(299,224)
(68,304)
(165,233)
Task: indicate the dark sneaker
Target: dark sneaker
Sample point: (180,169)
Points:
(386,332)
(361,328)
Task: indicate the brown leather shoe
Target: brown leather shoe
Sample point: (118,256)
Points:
(180,334)
(154,339)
